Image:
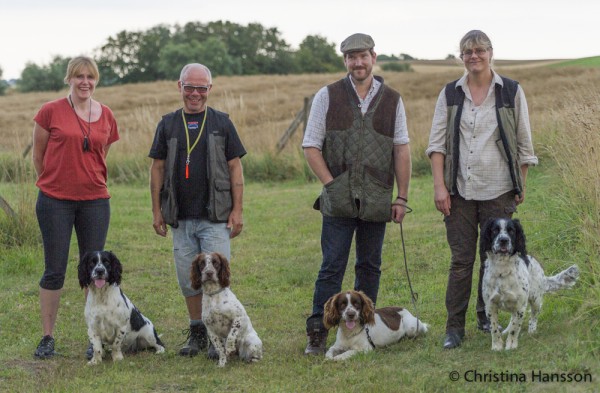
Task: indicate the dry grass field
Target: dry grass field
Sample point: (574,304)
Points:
(262,107)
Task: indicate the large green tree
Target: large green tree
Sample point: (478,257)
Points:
(134,56)
(44,78)
(316,55)
(212,53)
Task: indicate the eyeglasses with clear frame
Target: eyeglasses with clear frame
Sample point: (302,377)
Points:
(477,51)
(190,88)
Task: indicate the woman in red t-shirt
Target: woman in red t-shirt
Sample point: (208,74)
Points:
(71,138)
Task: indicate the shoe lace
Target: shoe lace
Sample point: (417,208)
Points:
(47,344)
(315,338)
(191,333)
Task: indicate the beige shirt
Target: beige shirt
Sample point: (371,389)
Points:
(483,173)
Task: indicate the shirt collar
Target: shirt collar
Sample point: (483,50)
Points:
(463,80)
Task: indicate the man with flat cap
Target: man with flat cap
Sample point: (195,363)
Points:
(356,143)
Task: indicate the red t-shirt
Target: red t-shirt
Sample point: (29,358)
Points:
(70,173)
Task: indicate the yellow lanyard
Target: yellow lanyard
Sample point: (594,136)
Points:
(187,139)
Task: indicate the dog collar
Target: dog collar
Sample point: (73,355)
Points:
(215,292)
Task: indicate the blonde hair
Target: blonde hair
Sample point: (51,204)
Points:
(77,64)
(475,38)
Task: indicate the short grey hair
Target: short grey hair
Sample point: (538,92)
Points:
(187,67)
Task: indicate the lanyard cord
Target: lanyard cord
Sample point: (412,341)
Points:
(86,144)
(187,139)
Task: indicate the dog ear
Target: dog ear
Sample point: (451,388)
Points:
(116,268)
(485,238)
(520,243)
(224,272)
(367,314)
(331,315)
(195,273)
(83,271)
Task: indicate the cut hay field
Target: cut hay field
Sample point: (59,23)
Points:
(277,256)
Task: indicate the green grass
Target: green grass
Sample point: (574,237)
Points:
(274,265)
(583,62)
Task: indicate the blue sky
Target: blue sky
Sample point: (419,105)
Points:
(35,30)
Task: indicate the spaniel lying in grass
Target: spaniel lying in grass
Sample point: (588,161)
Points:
(361,328)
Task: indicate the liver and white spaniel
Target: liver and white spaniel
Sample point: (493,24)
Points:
(111,317)
(512,279)
(365,328)
(228,325)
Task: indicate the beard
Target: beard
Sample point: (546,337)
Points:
(361,74)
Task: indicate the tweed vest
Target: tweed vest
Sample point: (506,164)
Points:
(507,129)
(358,151)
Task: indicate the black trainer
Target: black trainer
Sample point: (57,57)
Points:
(45,349)
(197,340)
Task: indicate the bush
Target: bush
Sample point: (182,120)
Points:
(396,66)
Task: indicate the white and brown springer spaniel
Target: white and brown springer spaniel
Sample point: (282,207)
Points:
(227,323)
(512,279)
(111,317)
(365,328)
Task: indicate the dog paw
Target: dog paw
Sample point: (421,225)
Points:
(497,346)
(94,361)
(160,349)
(117,357)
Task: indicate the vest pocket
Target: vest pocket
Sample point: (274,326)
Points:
(220,202)
(336,199)
(376,204)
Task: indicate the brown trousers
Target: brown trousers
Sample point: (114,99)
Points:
(462,230)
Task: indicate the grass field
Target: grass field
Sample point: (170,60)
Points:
(276,259)
(274,265)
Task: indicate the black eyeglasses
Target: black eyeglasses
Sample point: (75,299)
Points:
(191,88)
(477,51)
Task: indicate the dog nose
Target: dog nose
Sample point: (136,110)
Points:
(351,314)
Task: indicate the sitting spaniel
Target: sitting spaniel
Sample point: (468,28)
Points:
(227,323)
(110,316)
(362,328)
(512,279)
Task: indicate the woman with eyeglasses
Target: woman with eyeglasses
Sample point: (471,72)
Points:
(71,138)
(480,149)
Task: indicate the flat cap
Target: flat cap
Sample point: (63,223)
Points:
(357,42)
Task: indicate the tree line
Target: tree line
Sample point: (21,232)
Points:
(160,52)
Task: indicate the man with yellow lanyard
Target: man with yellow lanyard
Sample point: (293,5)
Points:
(196,183)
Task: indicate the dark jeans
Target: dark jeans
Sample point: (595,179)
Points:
(336,240)
(462,231)
(56,219)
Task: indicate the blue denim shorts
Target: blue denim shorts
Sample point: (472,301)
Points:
(192,237)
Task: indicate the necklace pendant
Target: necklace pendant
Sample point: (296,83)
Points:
(86,145)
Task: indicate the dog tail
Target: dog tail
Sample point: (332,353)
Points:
(565,279)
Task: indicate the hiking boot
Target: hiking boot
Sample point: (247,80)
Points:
(197,340)
(45,349)
(317,338)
